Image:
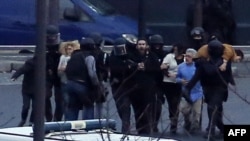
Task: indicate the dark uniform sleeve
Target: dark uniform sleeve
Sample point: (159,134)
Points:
(152,64)
(28,66)
(116,65)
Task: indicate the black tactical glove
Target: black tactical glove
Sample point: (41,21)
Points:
(186,95)
(100,94)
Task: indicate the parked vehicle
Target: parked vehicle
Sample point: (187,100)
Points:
(77,19)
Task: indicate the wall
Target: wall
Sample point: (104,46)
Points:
(167,17)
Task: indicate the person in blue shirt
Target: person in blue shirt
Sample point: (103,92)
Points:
(191,112)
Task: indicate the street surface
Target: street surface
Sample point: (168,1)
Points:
(236,110)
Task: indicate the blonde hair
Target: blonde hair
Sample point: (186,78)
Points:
(75,46)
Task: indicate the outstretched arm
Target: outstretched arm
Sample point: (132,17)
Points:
(194,79)
(28,66)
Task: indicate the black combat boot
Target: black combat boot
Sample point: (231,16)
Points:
(173,126)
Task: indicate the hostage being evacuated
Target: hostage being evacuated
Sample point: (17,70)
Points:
(66,49)
(143,97)
(215,85)
(229,55)
(82,80)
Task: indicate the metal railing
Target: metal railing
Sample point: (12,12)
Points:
(11,53)
(14,47)
(8,48)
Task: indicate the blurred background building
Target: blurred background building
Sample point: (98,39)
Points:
(169,18)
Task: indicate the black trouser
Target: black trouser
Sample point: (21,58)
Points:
(50,88)
(158,106)
(143,101)
(172,92)
(27,99)
(214,97)
(123,104)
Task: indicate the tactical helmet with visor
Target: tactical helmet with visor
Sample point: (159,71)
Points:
(120,47)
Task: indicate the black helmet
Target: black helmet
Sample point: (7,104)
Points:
(215,49)
(120,47)
(87,44)
(53,35)
(156,39)
(197,33)
(97,37)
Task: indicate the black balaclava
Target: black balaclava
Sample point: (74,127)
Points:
(87,44)
(52,38)
(156,40)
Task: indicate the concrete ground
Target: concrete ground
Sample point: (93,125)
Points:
(236,109)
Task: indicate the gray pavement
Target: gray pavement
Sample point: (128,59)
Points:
(236,111)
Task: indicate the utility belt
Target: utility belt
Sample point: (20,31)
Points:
(82,82)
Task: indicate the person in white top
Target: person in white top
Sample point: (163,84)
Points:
(172,90)
(66,49)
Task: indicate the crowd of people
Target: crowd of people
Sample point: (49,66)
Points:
(143,76)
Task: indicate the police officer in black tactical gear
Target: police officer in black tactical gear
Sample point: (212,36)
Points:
(120,69)
(28,89)
(198,38)
(102,58)
(82,81)
(102,69)
(156,44)
(52,78)
(215,86)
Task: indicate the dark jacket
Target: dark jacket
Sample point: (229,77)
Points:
(160,54)
(28,70)
(209,74)
(148,76)
(81,68)
(76,69)
(120,68)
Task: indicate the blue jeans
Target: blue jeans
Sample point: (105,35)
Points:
(78,97)
(65,97)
